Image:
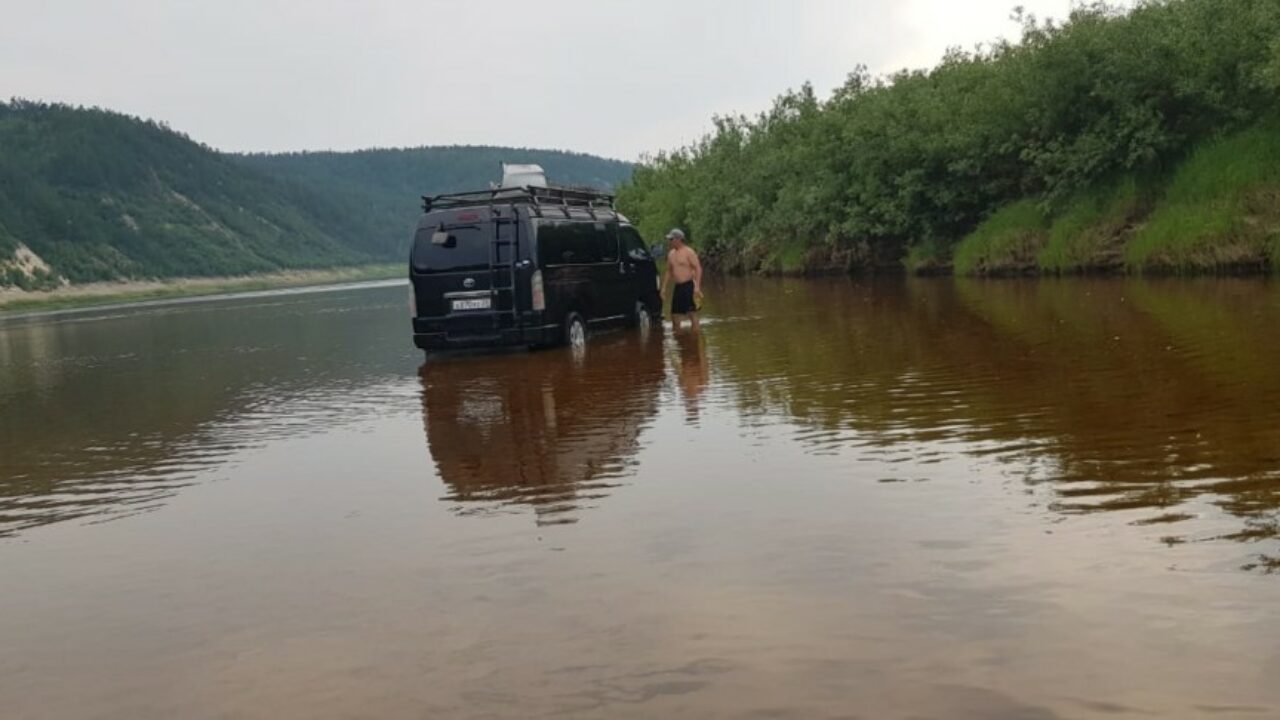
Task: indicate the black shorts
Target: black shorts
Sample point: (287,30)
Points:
(682,299)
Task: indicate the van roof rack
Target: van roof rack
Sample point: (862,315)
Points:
(559,197)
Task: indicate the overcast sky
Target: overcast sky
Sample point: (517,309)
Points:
(612,77)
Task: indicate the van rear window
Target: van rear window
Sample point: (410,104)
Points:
(467,248)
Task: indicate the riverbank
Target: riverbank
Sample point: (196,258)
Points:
(104,293)
(1215,212)
(1137,140)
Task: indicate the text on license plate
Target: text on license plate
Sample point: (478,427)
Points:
(476,304)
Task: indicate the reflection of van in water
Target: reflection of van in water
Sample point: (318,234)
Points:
(543,434)
(527,266)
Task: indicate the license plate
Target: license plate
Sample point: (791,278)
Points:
(475,304)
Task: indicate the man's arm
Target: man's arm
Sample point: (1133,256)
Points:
(666,278)
(697,271)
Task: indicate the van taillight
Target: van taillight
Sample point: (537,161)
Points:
(539,298)
(413,301)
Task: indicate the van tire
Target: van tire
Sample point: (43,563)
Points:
(575,331)
(642,317)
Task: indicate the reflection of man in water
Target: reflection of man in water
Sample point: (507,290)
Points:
(683,265)
(693,372)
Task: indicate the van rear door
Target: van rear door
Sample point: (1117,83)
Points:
(462,271)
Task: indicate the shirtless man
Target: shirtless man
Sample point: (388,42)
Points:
(683,265)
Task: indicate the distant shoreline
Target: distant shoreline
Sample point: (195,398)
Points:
(132,291)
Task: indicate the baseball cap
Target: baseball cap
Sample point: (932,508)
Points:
(675,233)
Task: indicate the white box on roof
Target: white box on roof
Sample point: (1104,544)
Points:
(516,176)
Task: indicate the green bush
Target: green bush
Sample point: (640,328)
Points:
(920,159)
(1007,242)
(927,257)
(1088,233)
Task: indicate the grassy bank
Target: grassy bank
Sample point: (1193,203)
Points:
(1217,211)
(91,294)
(1220,211)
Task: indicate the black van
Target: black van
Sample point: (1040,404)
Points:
(527,266)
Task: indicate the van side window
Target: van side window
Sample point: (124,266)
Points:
(575,243)
(607,236)
(632,244)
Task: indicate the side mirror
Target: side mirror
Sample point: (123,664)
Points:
(657,251)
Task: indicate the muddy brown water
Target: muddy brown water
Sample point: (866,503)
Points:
(843,499)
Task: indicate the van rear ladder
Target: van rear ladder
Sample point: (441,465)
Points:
(502,274)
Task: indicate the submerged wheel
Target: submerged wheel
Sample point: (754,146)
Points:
(575,331)
(643,318)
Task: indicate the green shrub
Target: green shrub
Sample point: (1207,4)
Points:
(928,257)
(1089,232)
(887,163)
(1006,242)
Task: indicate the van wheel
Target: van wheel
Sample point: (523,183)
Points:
(643,318)
(575,331)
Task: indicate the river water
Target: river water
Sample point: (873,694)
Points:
(842,499)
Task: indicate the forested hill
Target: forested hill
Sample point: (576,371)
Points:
(90,194)
(98,195)
(1120,138)
(379,189)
